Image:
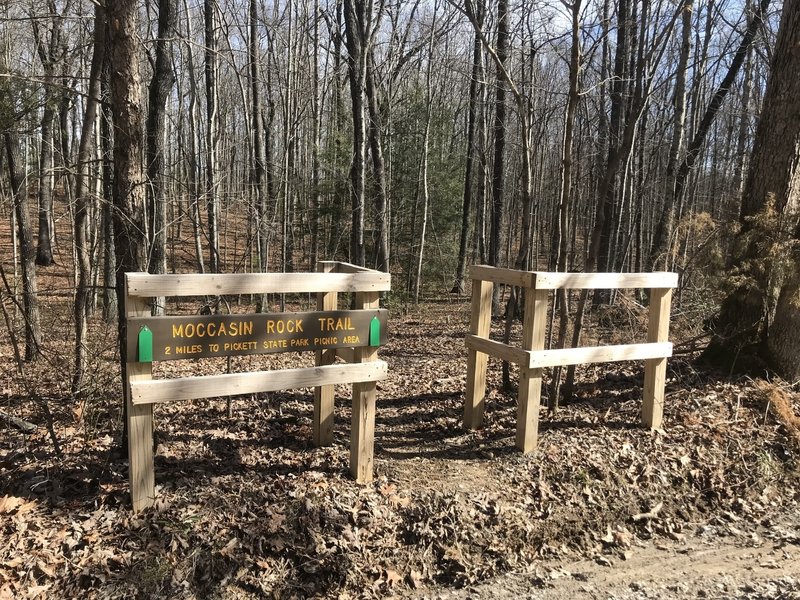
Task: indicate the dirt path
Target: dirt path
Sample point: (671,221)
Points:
(697,568)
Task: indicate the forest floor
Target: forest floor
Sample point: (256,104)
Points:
(708,506)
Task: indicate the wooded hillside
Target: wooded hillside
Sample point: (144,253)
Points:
(415,138)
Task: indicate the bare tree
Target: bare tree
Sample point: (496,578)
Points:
(561,239)
(50,50)
(212,134)
(472,149)
(27,251)
(160,87)
(129,177)
(360,26)
(258,170)
(82,200)
(499,165)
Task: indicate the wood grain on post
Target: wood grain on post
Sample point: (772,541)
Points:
(324,394)
(530,380)
(655,369)
(362,433)
(479,325)
(141,473)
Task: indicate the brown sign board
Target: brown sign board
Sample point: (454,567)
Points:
(202,336)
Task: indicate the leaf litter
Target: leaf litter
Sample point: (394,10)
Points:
(248,508)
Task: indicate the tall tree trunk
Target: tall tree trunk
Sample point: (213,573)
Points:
(289,148)
(662,234)
(316,134)
(160,89)
(743,131)
(762,316)
(27,251)
(498,168)
(258,168)
(562,224)
(619,110)
(127,103)
(44,249)
(107,141)
(193,166)
(378,168)
(426,132)
(49,51)
(357,14)
(212,135)
(744,120)
(82,198)
(472,149)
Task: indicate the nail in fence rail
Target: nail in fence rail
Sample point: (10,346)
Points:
(363,369)
(532,357)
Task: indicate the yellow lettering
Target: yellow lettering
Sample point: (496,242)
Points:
(177,330)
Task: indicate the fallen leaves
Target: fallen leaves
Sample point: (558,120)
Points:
(246,503)
(15,505)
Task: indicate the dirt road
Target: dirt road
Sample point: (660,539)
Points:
(705,566)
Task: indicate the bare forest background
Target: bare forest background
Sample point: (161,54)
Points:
(412,137)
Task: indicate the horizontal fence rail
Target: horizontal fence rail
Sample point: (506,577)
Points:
(234,384)
(532,357)
(542,280)
(145,285)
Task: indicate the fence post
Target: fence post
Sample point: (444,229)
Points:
(655,369)
(362,432)
(141,472)
(324,394)
(480,322)
(530,380)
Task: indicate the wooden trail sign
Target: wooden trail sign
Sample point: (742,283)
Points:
(204,336)
(353,335)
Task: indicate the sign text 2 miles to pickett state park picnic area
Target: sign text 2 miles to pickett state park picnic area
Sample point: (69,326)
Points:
(201,336)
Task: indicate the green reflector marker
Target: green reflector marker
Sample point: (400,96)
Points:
(145,344)
(375,332)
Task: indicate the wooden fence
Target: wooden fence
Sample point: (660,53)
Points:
(363,368)
(532,357)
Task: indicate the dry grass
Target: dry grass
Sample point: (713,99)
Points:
(780,402)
